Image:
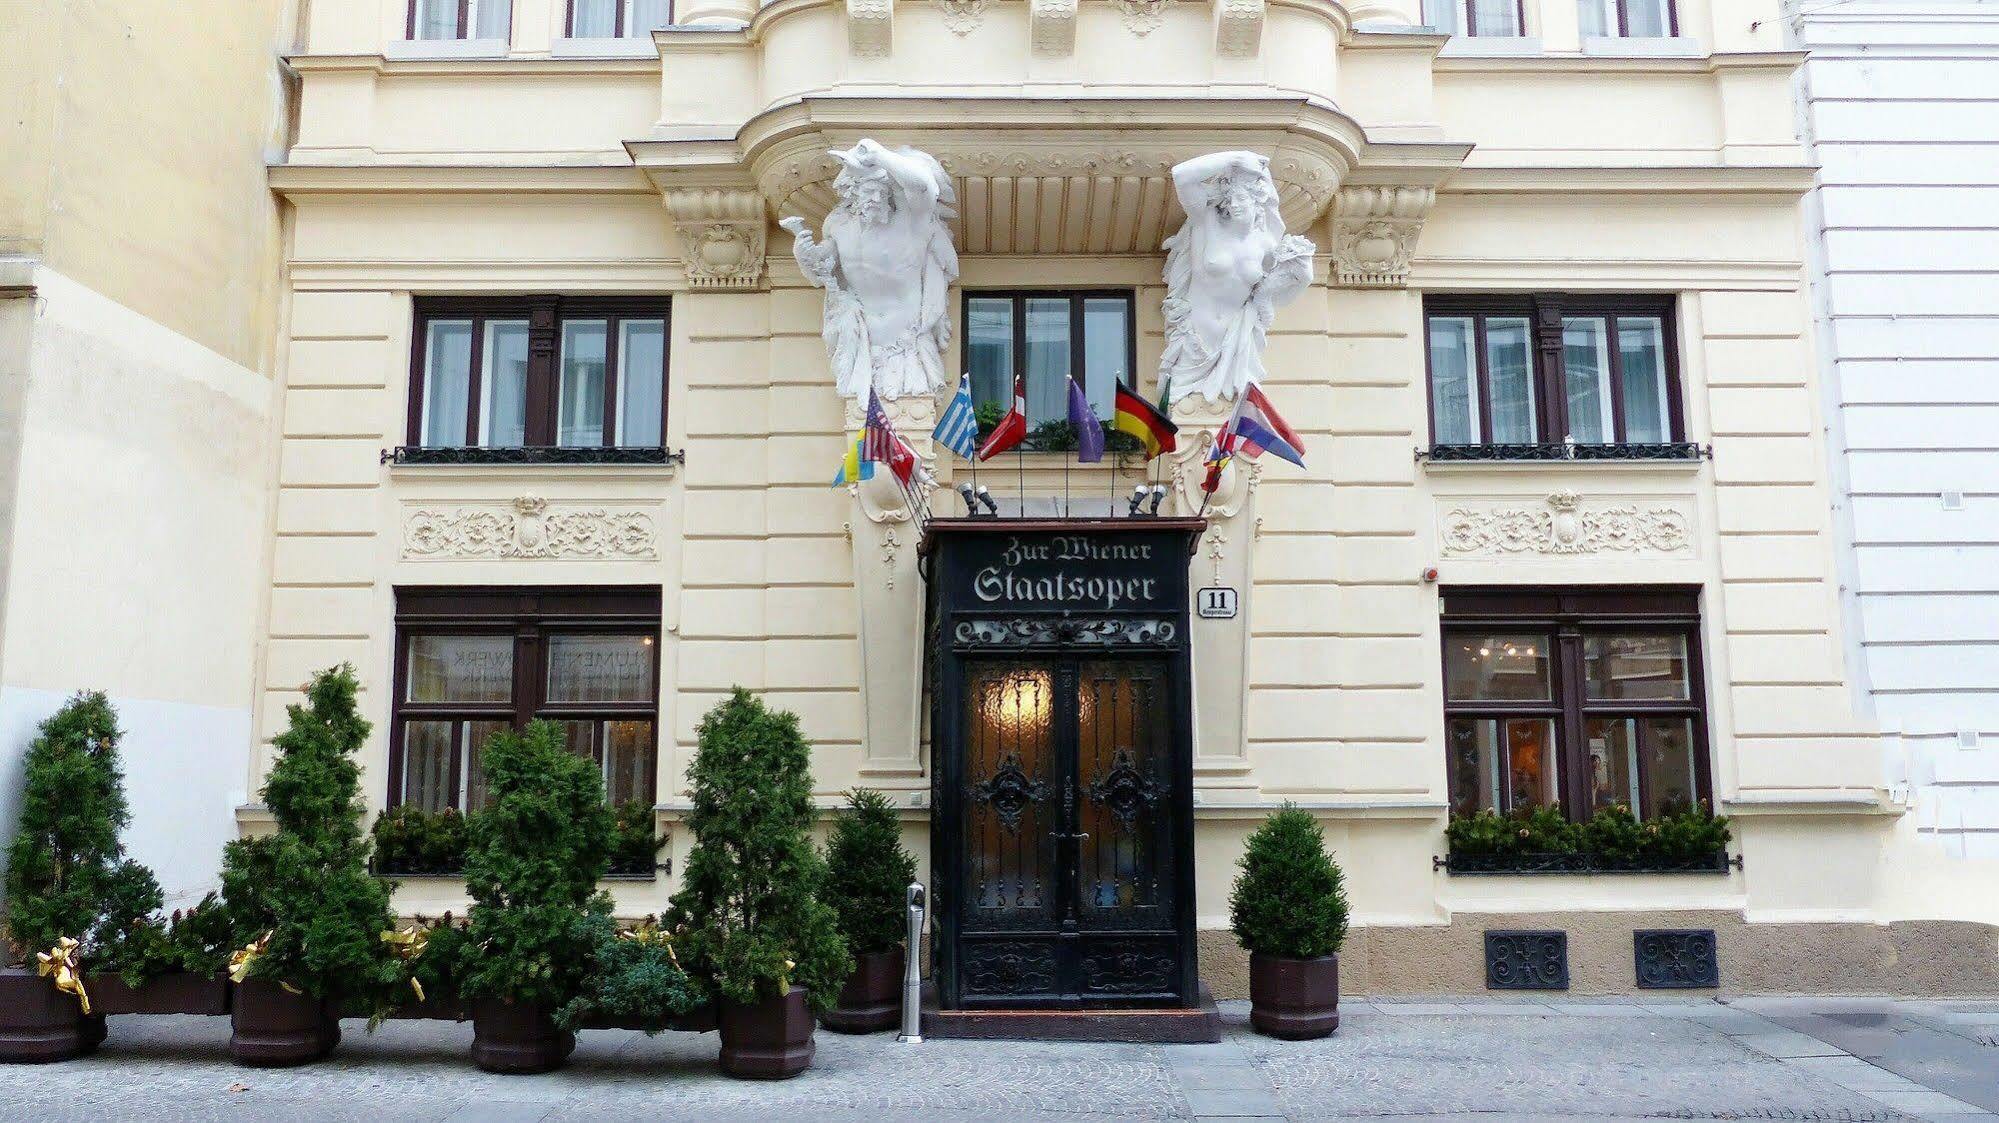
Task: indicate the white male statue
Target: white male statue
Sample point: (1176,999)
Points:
(887,265)
(1227,271)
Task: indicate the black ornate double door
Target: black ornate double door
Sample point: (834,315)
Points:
(1069,891)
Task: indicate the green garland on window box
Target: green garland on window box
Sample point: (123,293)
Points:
(1543,840)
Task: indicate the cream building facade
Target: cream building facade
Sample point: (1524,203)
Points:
(140,328)
(551,425)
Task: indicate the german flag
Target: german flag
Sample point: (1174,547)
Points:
(1143,420)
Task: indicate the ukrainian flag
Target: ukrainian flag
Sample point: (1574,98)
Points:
(854,468)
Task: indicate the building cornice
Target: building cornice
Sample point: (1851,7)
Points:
(538,66)
(1545,64)
(1685,179)
(295,181)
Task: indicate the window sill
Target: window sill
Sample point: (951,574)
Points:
(1501,865)
(1491,46)
(627,47)
(424,49)
(1612,46)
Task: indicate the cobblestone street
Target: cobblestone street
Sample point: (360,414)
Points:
(1802,1059)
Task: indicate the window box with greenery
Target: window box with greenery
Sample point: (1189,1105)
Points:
(302,901)
(756,931)
(1289,909)
(868,874)
(1554,377)
(1543,840)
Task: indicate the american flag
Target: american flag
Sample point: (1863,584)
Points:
(878,441)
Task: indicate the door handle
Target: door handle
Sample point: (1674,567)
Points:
(1076,837)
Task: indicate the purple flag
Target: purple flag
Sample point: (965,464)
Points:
(1089,431)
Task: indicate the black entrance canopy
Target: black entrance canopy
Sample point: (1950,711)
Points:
(1062,832)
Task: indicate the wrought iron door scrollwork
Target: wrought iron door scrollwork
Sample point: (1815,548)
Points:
(1129,967)
(1125,790)
(1008,968)
(1067,631)
(1009,791)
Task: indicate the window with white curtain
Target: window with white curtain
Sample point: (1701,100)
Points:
(618,19)
(461,19)
(1503,18)
(1628,19)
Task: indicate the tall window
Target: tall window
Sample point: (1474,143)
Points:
(598,381)
(461,19)
(1476,17)
(1629,19)
(472,662)
(1047,335)
(1552,368)
(1586,698)
(618,19)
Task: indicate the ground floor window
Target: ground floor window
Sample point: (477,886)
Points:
(1580,697)
(470,662)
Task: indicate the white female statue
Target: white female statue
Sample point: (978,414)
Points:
(887,265)
(1227,271)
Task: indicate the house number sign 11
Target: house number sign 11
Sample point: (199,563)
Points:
(1215,602)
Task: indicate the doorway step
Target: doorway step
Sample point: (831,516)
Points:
(1201,1024)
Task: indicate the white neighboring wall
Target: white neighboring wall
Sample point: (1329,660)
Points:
(1901,103)
(134,560)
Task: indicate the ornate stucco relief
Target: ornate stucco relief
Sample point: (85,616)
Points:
(1142,17)
(1052,27)
(870,27)
(721,236)
(962,16)
(1374,233)
(1238,28)
(528,527)
(1564,523)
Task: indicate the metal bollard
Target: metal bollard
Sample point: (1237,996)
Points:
(912,969)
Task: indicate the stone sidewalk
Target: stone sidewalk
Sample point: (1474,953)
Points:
(1774,1059)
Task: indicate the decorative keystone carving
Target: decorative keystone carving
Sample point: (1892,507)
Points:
(1142,17)
(721,236)
(1238,28)
(528,529)
(1052,27)
(870,27)
(962,16)
(1374,233)
(1564,525)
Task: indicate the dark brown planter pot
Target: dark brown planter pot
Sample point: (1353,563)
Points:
(768,1040)
(1294,999)
(39,1023)
(517,1037)
(270,1027)
(168,994)
(872,999)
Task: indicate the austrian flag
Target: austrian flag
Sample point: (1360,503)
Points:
(1012,429)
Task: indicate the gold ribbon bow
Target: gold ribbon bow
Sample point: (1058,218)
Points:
(241,959)
(649,934)
(60,961)
(408,944)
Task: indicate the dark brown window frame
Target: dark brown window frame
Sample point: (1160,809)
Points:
(1570,614)
(1471,17)
(1076,298)
(1624,18)
(529,614)
(545,316)
(1544,312)
(464,21)
(569,20)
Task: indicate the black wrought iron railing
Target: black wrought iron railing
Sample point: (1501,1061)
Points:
(533,454)
(1562,451)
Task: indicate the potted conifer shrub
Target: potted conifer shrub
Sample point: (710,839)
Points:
(757,932)
(156,964)
(867,874)
(537,853)
(307,912)
(70,890)
(1289,908)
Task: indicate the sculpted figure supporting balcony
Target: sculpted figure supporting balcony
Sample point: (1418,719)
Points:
(887,265)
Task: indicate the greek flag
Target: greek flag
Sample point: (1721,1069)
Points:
(958,429)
